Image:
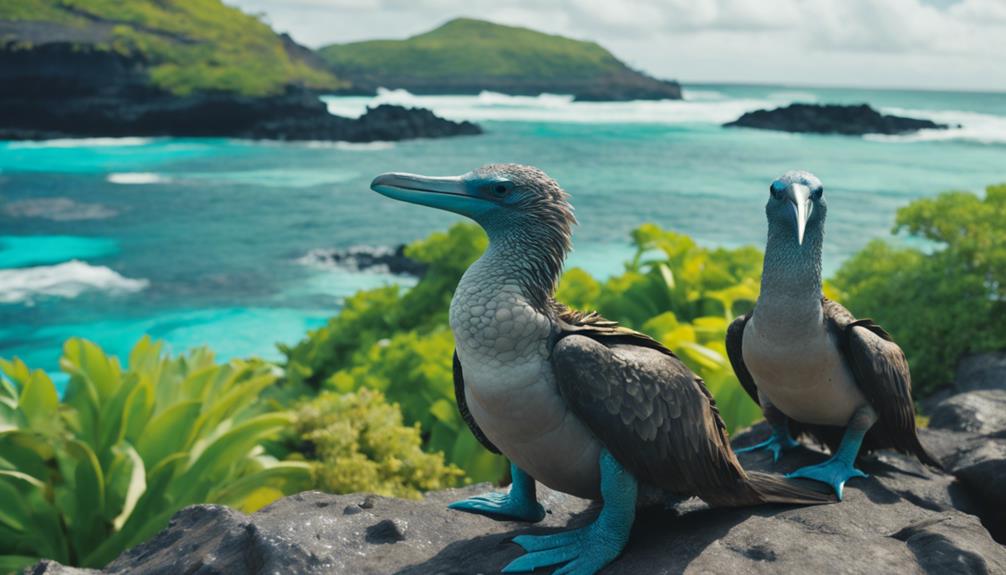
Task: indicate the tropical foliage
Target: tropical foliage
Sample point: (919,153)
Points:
(84,478)
(361,445)
(188,45)
(946,300)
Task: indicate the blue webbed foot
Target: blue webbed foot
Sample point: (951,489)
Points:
(834,472)
(518,503)
(777,443)
(503,505)
(586,550)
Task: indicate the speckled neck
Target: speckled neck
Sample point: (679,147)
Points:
(527,256)
(790,300)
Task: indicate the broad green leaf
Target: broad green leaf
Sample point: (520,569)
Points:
(126,483)
(168,432)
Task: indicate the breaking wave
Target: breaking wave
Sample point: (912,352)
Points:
(137,178)
(65,280)
(702,107)
(970,126)
(81,143)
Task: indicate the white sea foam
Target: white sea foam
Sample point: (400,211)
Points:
(137,178)
(65,280)
(690,94)
(81,143)
(788,96)
(490,106)
(973,127)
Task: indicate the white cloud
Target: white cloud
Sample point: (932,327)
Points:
(921,43)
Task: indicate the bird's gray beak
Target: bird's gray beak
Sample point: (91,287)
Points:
(449,193)
(799,198)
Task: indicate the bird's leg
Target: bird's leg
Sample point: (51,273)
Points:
(780,440)
(519,503)
(587,549)
(841,467)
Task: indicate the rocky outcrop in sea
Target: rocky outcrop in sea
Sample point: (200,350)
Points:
(832,119)
(60,90)
(905,518)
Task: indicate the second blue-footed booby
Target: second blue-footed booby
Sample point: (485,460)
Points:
(807,361)
(573,400)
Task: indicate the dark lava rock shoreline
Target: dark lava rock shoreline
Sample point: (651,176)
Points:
(60,91)
(904,518)
(832,119)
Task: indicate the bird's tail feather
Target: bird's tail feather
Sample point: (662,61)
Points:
(778,489)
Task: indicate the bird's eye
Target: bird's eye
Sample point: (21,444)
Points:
(500,189)
(818,192)
(777,188)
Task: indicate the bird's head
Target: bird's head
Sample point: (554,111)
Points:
(796,203)
(502,198)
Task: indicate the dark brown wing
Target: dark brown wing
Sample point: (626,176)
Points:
(459,397)
(652,413)
(735,341)
(881,371)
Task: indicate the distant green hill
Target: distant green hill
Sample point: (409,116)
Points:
(185,46)
(468,56)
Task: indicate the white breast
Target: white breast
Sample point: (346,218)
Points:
(804,376)
(503,345)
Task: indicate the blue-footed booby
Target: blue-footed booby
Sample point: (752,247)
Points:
(807,361)
(572,400)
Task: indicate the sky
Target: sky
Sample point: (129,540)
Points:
(930,44)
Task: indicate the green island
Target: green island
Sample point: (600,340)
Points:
(468,56)
(192,46)
(365,403)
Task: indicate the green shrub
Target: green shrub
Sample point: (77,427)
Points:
(939,304)
(84,478)
(361,445)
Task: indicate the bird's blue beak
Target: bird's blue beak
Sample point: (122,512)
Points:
(799,200)
(453,194)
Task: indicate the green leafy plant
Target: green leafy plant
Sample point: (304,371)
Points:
(360,444)
(84,478)
(938,303)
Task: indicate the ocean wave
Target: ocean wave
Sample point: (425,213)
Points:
(789,96)
(279,177)
(58,210)
(377,146)
(137,178)
(81,143)
(689,94)
(489,106)
(65,280)
(966,126)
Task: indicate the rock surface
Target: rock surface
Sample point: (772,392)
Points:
(59,90)
(832,119)
(905,518)
(367,258)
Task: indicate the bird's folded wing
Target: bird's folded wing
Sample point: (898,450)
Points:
(459,397)
(735,340)
(648,409)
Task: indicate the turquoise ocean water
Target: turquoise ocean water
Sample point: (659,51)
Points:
(199,241)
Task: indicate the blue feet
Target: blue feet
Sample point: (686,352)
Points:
(518,503)
(586,550)
(777,443)
(834,472)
